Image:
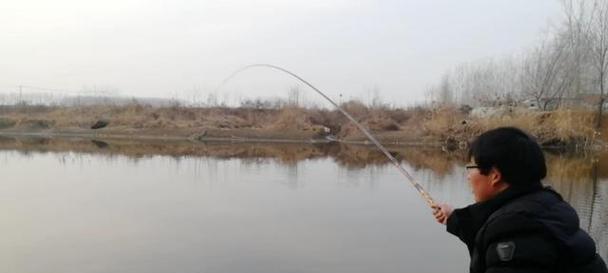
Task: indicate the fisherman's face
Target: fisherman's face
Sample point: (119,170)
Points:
(484,187)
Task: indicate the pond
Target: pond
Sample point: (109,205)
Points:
(84,206)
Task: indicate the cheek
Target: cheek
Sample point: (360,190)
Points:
(473,180)
(483,192)
(471,177)
(479,189)
(474,186)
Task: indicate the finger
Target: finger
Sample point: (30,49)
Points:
(440,216)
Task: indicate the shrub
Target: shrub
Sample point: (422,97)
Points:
(6,123)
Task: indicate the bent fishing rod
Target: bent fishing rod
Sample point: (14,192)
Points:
(427,197)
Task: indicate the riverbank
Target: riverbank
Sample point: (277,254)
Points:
(572,166)
(449,127)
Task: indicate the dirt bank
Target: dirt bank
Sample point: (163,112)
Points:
(450,127)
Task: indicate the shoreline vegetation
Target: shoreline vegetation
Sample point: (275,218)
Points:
(448,127)
(564,168)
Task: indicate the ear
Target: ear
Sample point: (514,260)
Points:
(495,177)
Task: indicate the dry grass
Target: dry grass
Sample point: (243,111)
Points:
(444,122)
(562,125)
(439,125)
(291,118)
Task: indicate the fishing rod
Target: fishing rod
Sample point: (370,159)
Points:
(427,197)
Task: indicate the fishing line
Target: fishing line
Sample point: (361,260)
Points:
(394,161)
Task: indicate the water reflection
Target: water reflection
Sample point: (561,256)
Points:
(261,207)
(349,156)
(583,183)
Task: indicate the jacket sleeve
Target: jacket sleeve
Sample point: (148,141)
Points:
(460,224)
(514,243)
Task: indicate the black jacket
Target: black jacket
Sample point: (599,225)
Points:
(525,230)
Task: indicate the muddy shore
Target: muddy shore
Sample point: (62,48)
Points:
(450,128)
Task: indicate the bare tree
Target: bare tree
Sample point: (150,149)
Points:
(546,76)
(293,96)
(375,100)
(571,61)
(445,92)
(487,83)
(598,39)
(574,33)
(442,93)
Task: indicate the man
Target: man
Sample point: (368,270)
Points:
(516,224)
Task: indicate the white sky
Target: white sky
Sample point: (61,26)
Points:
(173,48)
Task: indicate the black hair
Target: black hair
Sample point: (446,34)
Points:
(513,152)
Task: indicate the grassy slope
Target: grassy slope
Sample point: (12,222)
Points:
(425,126)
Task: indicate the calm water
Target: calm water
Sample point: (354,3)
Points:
(73,210)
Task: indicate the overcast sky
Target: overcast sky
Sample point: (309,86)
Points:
(179,47)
